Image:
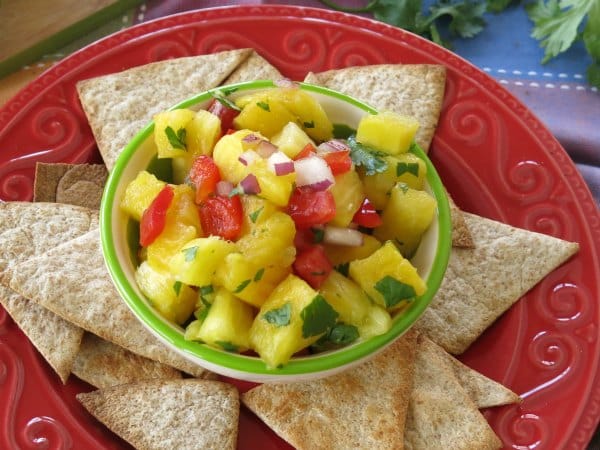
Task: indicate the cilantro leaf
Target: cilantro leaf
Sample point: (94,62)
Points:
(317,317)
(367,157)
(342,131)
(280,317)
(254,215)
(259,274)
(591,39)
(177,287)
(310,124)
(394,291)
(343,268)
(205,290)
(404,167)
(343,334)
(242,286)
(177,140)
(264,105)
(221,96)
(190,253)
(227,346)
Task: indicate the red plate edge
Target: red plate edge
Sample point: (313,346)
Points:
(508,195)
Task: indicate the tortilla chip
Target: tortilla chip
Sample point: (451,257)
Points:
(480,284)
(254,68)
(72,281)
(441,415)
(363,407)
(461,235)
(75,184)
(484,391)
(412,89)
(26,230)
(119,105)
(103,364)
(173,414)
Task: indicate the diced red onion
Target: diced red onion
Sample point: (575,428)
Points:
(313,172)
(265,149)
(342,236)
(333,145)
(250,184)
(280,163)
(223,188)
(285,83)
(248,157)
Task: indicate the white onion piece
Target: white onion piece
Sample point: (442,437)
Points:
(265,149)
(333,145)
(223,188)
(280,164)
(250,185)
(342,236)
(248,157)
(313,172)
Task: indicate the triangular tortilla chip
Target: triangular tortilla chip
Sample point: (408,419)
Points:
(104,364)
(362,408)
(412,89)
(484,391)
(254,68)
(441,414)
(75,184)
(72,281)
(173,414)
(480,284)
(119,105)
(26,230)
(461,235)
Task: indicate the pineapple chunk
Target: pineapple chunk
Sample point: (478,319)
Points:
(348,194)
(270,243)
(275,188)
(139,194)
(387,131)
(248,281)
(256,211)
(293,317)
(170,132)
(406,217)
(203,132)
(226,155)
(227,324)
(264,114)
(406,168)
(291,139)
(342,254)
(387,277)
(172,299)
(182,224)
(197,261)
(354,307)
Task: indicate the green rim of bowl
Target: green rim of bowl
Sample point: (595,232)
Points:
(301,365)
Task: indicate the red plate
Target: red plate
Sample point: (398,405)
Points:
(495,157)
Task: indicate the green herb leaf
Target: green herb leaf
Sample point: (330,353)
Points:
(205,290)
(190,253)
(238,190)
(221,96)
(394,291)
(264,105)
(227,346)
(254,215)
(242,286)
(367,157)
(310,124)
(342,131)
(343,268)
(279,317)
(259,274)
(177,140)
(177,287)
(318,234)
(343,334)
(318,317)
(403,167)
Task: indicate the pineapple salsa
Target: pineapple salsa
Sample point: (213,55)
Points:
(279,231)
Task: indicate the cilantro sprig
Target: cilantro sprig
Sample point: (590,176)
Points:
(363,155)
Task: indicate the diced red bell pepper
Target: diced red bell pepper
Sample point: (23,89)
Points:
(205,175)
(307,151)
(224,113)
(308,208)
(313,265)
(307,237)
(338,161)
(222,216)
(154,217)
(367,216)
